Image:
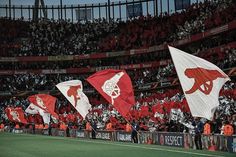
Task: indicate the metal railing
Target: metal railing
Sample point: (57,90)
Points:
(121,10)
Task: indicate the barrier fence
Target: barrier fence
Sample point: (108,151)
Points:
(174,139)
(118,10)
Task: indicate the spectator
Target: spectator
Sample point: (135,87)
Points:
(135,129)
(198,128)
(94,129)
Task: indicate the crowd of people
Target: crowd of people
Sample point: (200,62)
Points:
(164,109)
(49,37)
(140,77)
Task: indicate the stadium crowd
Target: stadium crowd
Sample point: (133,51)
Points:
(165,110)
(36,82)
(162,110)
(49,37)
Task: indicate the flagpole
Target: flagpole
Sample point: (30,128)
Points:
(91,126)
(132,126)
(86,118)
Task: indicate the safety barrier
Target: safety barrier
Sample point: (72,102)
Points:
(209,142)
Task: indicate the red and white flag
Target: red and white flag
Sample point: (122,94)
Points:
(201,82)
(116,87)
(33,109)
(44,102)
(73,91)
(15,114)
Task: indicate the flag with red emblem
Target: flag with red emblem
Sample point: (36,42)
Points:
(116,87)
(201,82)
(45,102)
(33,109)
(73,91)
(15,114)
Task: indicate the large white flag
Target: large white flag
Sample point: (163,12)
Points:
(201,82)
(73,91)
(33,109)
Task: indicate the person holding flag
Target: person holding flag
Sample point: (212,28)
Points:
(116,87)
(135,129)
(94,128)
(201,82)
(73,91)
(198,129)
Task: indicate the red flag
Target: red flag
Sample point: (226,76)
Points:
(144,111)
(116,87)
(15,114)
(158,108)
(45,102)
(185,107)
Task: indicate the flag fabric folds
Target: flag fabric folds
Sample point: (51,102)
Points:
(116,87)
(15,114)
(201,82)
(44,102)
(33,109)
(73,91)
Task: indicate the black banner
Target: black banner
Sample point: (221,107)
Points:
(123,136)
(61,133)
(134,10)
(45,132)
(80,134)
(181,4)
(73,133)
(170,139)
(145,137)
(17,131)
(83,14)
(104,135)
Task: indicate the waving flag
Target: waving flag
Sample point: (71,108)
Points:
(33,109)
(45,102)
(73,91)
(116,87)
(15,114)
(201,82)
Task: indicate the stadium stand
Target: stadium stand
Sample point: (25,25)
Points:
(65,51)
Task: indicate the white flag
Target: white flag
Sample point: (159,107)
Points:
(33,109)
(73,91)
(201,82)
(46,116)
